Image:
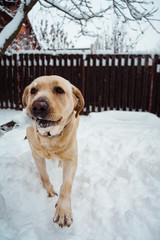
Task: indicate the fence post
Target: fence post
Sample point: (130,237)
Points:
(83,75)
(151,85)
(18,84)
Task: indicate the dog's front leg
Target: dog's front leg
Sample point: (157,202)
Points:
(41,165)
(63,215)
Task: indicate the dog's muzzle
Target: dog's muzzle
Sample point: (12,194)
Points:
(40,111)
(40,108)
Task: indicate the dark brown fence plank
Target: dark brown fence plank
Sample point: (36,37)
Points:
(153,86)
(10,83)
(42,65)
(5,83)
(94,95)
(54,69)
(155,98)
(106,83)
(131,83)
(48,68)
(1,83)
(31,68)
(2,80)
(100,98)
(158,95)
(118,82)
(36,65)
(139,84)
(88,84)
(145,85)
(112,81)
(17,87)
(126,84)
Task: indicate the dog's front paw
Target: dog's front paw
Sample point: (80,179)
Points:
(63,216)
(50,190)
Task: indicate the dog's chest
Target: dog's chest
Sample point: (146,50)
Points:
(51,147)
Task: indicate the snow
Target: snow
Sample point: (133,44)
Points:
(116,188)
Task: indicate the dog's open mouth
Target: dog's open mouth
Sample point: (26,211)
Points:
(42,123)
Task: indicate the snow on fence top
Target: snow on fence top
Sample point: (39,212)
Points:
(68,58)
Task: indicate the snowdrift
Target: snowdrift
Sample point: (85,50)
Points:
(116,193)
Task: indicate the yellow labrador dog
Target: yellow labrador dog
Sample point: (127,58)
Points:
(54,104)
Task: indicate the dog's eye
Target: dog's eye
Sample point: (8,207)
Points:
(59,90)
(33,90)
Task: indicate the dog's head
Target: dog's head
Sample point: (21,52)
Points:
(50,100)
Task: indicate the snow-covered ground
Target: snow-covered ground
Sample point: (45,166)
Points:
(116,192)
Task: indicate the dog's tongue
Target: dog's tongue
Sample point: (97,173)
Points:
(44,123)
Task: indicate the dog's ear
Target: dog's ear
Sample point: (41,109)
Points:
(78,100)
(25,97)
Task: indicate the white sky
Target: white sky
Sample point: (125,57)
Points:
(149,41)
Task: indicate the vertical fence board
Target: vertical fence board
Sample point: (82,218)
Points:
(42,65)
(48,65)
(153,87)
(3,79)
(1,86)
(132,83)
(112,82)
(126,84)
(53,65)
(118,82)
(145,93)
(155,104)
(32,74)
(100,97)
(138,84)
(6,82)
(158,99)
(94,94)
(158,95)
(106,82)
(36,65)
(10,83)
(87,86)
(16,82)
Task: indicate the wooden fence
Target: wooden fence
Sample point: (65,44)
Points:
(121,82)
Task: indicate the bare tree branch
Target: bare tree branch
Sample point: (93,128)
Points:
(136,13)
(77,13)
(81,11)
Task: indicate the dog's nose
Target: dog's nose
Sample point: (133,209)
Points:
(40,108)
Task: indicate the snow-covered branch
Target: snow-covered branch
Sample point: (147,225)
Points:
(11,30)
